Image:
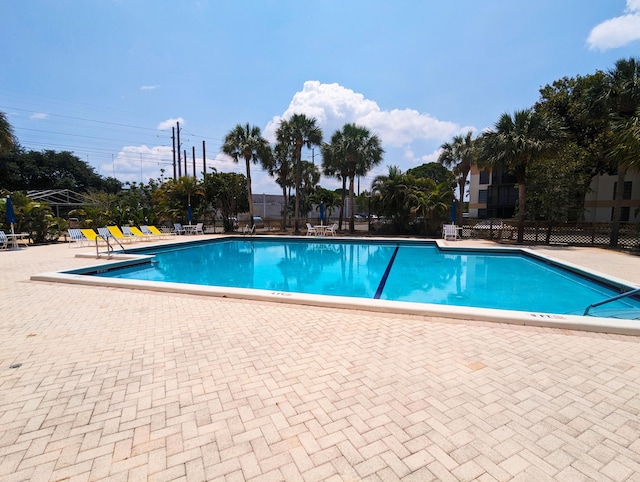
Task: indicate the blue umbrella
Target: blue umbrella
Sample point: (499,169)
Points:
(321,212)
(189,214)
(11,215)
(454,210)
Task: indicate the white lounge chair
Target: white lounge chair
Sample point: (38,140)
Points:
(450,232)
(126,231)
(76,238)
(311,231)
(250,230)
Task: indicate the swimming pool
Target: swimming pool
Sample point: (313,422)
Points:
(399,271)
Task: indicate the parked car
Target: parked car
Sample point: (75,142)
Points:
(258,222)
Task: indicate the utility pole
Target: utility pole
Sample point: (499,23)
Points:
(193,156)
(185,163)
(179,160)
(173,140)
(204,160)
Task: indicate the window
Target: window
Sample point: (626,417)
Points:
(484,177)
(624,214)
(482,196)
(626,193)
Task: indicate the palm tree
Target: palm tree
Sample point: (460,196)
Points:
(621,99)
(297,132)
(353,152)
(431,202)
(459,154)
(393,192)
(333,166)
(247,142)
(281,167)
(514,143)
(7,139)
(176,195)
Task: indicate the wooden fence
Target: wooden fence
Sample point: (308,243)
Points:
(539,232)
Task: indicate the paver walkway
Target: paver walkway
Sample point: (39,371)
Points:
(119,385)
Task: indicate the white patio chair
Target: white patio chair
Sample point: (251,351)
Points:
(331,229)
(199,228)
(450,232)
(179,229)
(311,231)
(4,241)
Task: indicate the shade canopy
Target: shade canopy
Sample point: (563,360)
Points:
(11,215)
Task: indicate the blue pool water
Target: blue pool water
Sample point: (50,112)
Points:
(414,272)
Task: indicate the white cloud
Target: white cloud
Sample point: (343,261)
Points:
(149,87)
(617,31)
(39,116)
(169,123)
(334,105)
(410,156)
(140,163)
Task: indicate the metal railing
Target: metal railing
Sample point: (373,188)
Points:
(109,247)
(609,300)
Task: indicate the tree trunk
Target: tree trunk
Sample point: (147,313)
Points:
(298,182)
(351,199)
(343,195)
(283,224)
(249,193)
(522,196)
(617,208)
(459,206)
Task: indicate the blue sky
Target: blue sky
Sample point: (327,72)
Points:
(106,79)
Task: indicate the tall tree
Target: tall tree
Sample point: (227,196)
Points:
(281,167)
(8,141)
(246,142)
(459,154)
(434,171)
(514,143)
(226,191)
(299,131)
(570,101)
(356,150)
(175,195)
(622,100)
(393,194)
(334,166)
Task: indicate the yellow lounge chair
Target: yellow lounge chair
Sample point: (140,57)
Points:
(91,235)
(157,232)
(140,235)
(117,234)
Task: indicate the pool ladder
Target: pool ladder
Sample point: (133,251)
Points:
(609,300)
(109,247)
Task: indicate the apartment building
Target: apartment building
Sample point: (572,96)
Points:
(494,194)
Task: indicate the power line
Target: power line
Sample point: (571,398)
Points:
(81,118)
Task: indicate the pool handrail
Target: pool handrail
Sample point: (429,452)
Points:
(609,300)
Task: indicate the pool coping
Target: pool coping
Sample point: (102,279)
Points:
(547,320)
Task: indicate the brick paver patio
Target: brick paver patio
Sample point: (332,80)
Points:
(119,385)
